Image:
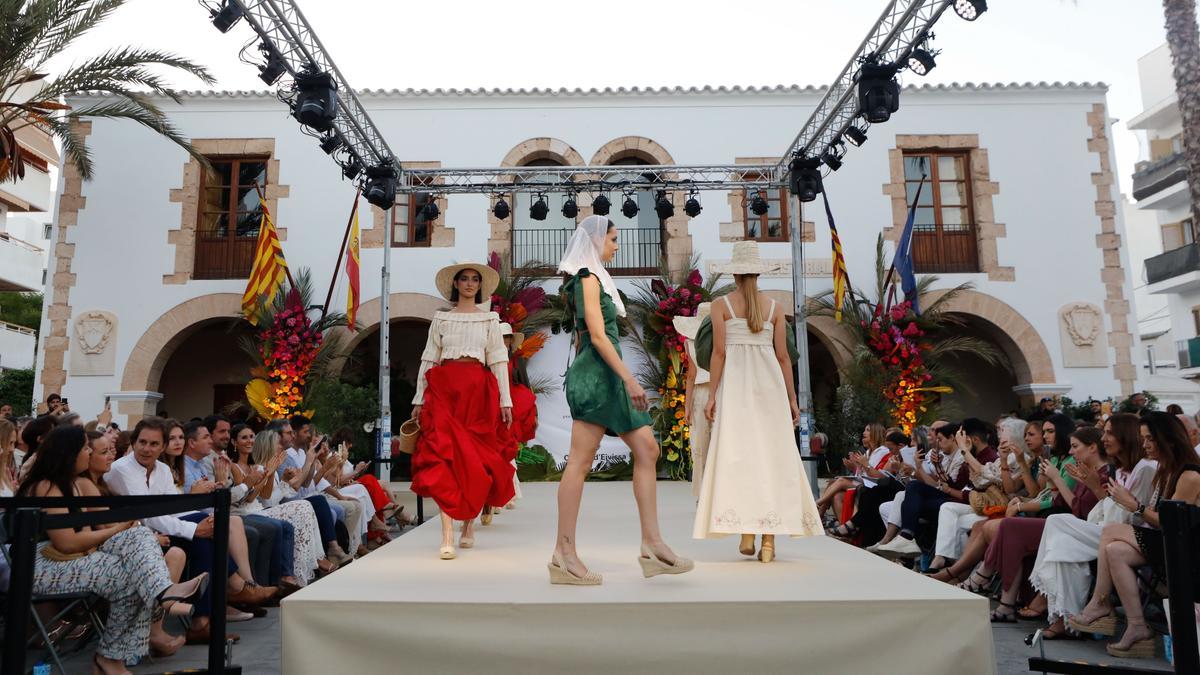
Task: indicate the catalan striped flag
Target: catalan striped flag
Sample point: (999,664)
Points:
(352,294)
(269,269)
(841,278)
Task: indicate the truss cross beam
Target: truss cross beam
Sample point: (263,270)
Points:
(592,179)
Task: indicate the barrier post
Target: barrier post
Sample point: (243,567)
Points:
(23,539)
(1180,522)
(220,577)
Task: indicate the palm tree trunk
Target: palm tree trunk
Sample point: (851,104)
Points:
(1183,41)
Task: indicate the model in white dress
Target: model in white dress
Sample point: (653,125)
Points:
(754,482)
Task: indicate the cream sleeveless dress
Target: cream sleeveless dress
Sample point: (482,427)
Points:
(754,481)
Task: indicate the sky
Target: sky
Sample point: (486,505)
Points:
(550,43)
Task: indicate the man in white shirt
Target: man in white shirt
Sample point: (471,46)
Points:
(349,510)
(140,473)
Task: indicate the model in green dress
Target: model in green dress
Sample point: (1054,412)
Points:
(604,395)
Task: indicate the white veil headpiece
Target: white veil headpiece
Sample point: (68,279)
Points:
(584,251)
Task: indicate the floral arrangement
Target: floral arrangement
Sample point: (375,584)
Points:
(516,299)
(897,340)
(287,347)
(663,348)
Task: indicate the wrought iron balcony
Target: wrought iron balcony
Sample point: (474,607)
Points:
(1154,177)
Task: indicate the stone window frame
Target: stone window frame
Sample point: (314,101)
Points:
(734,230)
(441,234)
(982,191)
(933,187)
(188,196)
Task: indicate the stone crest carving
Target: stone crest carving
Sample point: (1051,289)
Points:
(93,330)
(93,348)
(1081,335)
(1083,323)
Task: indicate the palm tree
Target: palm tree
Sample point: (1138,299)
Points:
(1182,40)
(32,34)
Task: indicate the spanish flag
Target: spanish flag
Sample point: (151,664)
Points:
(352,295)
(841,278)
(269,270)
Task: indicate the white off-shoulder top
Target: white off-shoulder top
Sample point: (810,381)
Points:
(456,335)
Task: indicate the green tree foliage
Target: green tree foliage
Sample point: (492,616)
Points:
(16,389)
(21,309)
(336,404)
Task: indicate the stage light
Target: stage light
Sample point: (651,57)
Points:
(316,103)
(330,142)
(805,178)
(692,207)
(629,207)
(501,210)
(663,206)
(570,209)
(921,61)
(833,156)
(380,188)
(970,9)
(539,209)
(351,168)
(855,136)
(226,17)
(758,205)
(878,92)
(430,211)
(601,205)
(274,68)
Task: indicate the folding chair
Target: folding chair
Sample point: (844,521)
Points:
(69,603)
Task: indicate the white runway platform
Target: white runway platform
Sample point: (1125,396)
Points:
(822,607)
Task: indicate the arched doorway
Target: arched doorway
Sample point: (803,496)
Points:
(207,371)
(982,389)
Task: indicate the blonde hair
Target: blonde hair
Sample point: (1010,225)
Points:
(877,435)
(748,286)
(264,446)
(8,435)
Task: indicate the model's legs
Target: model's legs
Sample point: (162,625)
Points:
(645,489)
(585,440)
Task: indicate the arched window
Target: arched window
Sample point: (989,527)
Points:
(539,244)
(640,237)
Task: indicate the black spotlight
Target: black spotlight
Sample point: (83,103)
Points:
(274,68)
(970,9)
(692,206)
(330,142)
(601,206)
(921,61)
(430,211)
(663,206)
(570,208)
(805,179)
(316,100)
(878,92)
(833,157)
(758,205)
(501,210)
(856,136)
(380,189)
(539,209)
(629,207)
(351,168)
(225,18)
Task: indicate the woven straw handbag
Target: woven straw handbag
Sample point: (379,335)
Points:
(410,431)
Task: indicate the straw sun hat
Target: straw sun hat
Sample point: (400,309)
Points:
(506,330)
(688,326)
(746,261)
(445,278)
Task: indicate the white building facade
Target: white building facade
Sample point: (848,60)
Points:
(1024,207)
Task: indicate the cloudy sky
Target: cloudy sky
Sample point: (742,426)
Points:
(547,43)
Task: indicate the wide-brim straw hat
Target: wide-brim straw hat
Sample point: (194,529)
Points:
(746,260)
(688,326)
(505,329)
(445,278)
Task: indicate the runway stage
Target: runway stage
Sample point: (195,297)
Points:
(822,607)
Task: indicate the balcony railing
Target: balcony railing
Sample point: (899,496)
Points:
(1188,352)
(538,251)
(1173,263)
(21,264)
(1154,177)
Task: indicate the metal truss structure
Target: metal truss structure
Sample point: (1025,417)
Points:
(286,36)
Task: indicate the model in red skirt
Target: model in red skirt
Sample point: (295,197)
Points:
(463,454)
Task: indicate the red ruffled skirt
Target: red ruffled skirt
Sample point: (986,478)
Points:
(463,452)
(524,412)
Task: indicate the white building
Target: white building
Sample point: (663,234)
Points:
(1160,189)
(1025,209)
(25,235)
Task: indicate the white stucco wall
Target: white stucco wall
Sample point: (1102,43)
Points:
(1036,138)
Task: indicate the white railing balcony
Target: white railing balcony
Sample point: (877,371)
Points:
(17,345)
(32,193)
(20,264)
